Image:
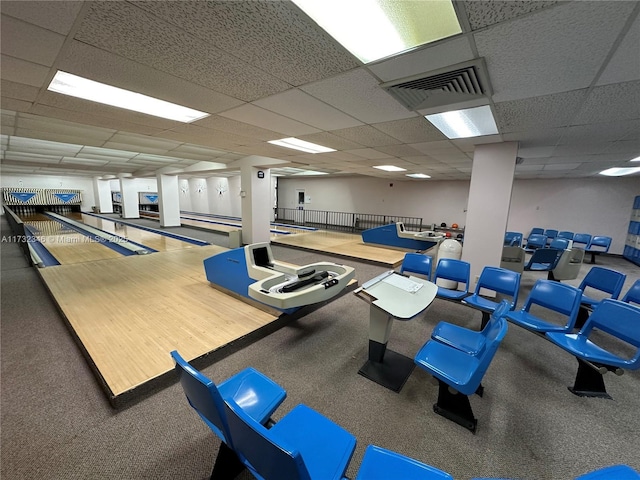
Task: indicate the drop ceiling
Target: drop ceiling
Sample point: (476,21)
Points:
(564,82)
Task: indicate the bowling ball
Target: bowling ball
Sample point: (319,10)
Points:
(454,225)
(459,236)
(443,225)
(448,234)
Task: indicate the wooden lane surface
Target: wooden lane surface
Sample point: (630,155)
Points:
(156,241)
(129,313)
(66,245)
(343,244)
(205,222)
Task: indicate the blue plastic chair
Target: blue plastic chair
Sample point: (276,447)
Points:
(597,245)
(604,280)
(499,280)
(535,241)
(460,371)
(544,260)
(455,271)
(303,445)
(513,239)
(550,234)
(554,296)
(465,339)
(581,240)
(561,243)
(614,472)
(379,463)
(536,231)
(633,294)
(258,396)
(565,234)
(417,263)
(615,318)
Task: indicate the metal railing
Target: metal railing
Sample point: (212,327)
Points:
(342,221)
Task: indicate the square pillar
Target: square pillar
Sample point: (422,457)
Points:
(129,192)
(102,195)
(256,204)
(168,200)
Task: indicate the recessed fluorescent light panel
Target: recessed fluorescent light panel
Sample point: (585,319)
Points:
(390,168)
(418,175)
(86,89)
(619,172)
(375,29)
(637,159)
(301,145)
(471,122)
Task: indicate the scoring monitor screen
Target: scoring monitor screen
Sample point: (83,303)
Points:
(261,257)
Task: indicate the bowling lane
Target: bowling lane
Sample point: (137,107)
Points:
(65,244)
(156,241)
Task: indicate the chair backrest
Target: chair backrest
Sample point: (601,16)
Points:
(536,231)
(500,280)
(544,259)
(633,294)
(556,296)
(536,240)
(600,243)
(260,452)
(417,263)
(493,340)
(605,280)
(513,258)
(561,243)
(565,234)
(582,239)
(551,233)
(454,270)
(492,329)
(618,319)
(568,267)
(203,396)
(513,239)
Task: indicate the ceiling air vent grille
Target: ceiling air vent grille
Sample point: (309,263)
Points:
(456,84)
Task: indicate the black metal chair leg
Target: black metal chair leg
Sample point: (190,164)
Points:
(228,466)
(589,382)
(455,407)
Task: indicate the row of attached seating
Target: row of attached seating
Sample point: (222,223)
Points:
(539,238)
(304,444)
(463,372)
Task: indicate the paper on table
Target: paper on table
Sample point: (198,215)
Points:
(403,283)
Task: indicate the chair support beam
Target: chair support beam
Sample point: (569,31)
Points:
(589,382)
(227,466)
(455,407)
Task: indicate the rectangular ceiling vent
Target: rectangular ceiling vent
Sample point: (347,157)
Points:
(460,83)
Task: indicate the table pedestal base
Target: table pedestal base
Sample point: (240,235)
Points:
(393,369)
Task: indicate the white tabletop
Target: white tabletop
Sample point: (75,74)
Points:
(398,302)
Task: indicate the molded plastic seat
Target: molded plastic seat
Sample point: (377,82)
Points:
(551,234)
(536,241)
(498,280)
(557,297)
(379,463)
(513,239)
(581,240)
(544,260)
(417,263)
(303,445)
(257,395)
(597,245)
(513,259)
(460,371)
(565,234)
(455,271)
(465,339)
(536,231)
(602,279)
(561,243)
(612,317)
(615,472)
(568,267)
(633,294)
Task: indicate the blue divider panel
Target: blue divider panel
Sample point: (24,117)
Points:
(388,235)
(48,260)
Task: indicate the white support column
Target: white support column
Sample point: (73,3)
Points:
(256,204)
(488,208)
(129,192)
(168,201)
(102,195)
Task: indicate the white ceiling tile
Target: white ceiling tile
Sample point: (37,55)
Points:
(29,42)
(411,130)
(432,147)
(535,137)
(561,166)
(19,91)
(34,122)
(90,62)
(21,71)
(357,93)
(330,140)
(300,106)
(272,121)
(624,66)
(370,153)
(610,103)
(424,60)
(398,150)
(532,152)
(17,105)
(217,122)
(483,14)
(366,135)
(82,161)
(586,29)
(57,16)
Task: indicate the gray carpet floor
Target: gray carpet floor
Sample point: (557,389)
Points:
(56,422)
